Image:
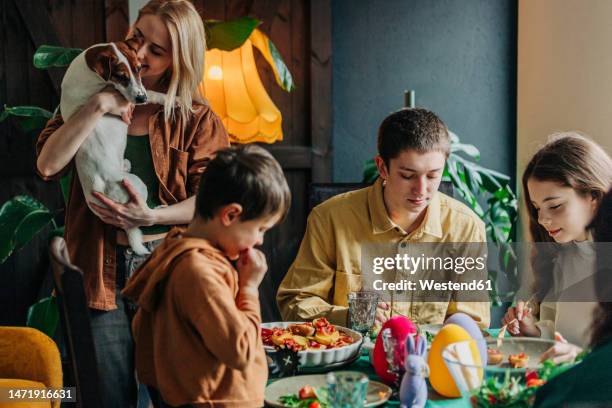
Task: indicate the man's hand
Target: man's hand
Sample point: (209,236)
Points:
(382,313)
(252,267)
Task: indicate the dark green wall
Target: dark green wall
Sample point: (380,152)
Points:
(459,56)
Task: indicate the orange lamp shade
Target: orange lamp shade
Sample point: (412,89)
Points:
(235,92)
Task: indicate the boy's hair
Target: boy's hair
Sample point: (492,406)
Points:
(412,128)
(247,175)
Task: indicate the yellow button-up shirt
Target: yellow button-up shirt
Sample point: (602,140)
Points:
(328,264)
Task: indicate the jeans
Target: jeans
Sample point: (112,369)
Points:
(112,335)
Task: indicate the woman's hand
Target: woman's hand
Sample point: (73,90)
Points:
(134,213)
(109,100)
(562,351)
(520,321)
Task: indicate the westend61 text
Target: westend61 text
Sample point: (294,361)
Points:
(429,284)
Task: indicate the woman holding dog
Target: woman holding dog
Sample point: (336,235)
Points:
(168,147)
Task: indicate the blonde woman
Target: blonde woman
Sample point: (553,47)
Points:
(168,146)
(563,186)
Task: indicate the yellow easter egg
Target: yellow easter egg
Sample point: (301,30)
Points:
(439,376)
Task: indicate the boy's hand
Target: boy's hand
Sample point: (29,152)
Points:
(252,267)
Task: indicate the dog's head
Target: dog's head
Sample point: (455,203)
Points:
(117,64)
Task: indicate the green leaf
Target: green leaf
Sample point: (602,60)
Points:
(12,213)
(285,77)
(30,225)
(47,56)
(57,232)
(29,118)
(44,316)
(370,171)
(229,35)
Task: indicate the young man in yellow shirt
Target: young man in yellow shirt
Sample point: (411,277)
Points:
(402,207)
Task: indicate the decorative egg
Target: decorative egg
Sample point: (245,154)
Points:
(439,376)
(401,327)
(470,326)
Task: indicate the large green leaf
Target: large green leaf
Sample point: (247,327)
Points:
(30,225)
(29,118)
(44,316)
(12,214)
(47,56)
(457,146)
(229,35)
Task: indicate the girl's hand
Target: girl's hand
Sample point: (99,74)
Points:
(562,351)
(520,321)
(109,100)
(134,213)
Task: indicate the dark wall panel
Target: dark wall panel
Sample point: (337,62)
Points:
(459,56)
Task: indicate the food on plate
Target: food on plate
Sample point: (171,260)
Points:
(307,397)
(518,360)
(302,329)
(516,391)
(494,356)
(320,334)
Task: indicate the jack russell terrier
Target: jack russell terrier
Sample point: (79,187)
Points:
(100,160)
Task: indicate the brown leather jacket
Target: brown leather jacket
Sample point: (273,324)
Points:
(180,154)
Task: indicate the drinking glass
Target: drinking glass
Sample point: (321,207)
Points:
(362,311)
(347,389)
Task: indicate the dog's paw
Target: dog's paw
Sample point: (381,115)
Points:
(127,166)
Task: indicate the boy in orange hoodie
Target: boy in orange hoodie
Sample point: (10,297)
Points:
(197,328)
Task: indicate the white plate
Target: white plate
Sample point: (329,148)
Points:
(318,358)
(378,393)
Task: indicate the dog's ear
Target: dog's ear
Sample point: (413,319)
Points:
(101,60)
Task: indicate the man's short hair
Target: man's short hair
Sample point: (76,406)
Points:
(247,175)
(412,128)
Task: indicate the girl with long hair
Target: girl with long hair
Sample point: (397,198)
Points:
(563,186)
(589,383)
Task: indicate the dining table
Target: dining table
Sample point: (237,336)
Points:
(363,365)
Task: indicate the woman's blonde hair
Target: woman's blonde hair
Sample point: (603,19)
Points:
(571,160)
(188,40)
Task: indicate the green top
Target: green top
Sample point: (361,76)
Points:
(138,152)
(589,383)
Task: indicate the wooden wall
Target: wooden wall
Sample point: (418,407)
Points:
(300,29)
(27,24)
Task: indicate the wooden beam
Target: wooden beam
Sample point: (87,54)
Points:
(38,23)
(321,90)
(292,157)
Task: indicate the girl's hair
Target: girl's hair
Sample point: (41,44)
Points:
(188,41)
(574,161)
(601,329)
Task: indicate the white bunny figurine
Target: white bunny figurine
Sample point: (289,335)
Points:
(413,390)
